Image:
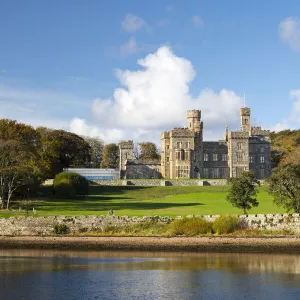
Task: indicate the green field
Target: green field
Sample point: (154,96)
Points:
(145,201)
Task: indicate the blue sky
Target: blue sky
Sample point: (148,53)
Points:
(74,64)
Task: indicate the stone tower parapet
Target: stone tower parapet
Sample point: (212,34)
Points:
(193,120)
(245,119)
(126,153)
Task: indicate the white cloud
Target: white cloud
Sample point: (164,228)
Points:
(198,22)
(155,98)
(133,23)
(130,47)
(289,32)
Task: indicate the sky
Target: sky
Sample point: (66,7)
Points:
(129,70)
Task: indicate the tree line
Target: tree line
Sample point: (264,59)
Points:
(31,155)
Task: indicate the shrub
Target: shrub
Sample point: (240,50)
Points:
(144,228)
(70,185)
(61,229)
(226,224)
(190,226)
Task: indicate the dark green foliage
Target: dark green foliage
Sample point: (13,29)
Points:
(190,226)
(59,149)
(61,229)
(284,186)
(70,185)
(226,224)
(148,150)
(243,191)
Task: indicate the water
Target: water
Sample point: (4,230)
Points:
(33,274)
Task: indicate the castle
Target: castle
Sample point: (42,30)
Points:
(184,154)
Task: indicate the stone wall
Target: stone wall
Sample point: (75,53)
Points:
(44,225)
(164,182)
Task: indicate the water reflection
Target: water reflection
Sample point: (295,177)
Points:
(36,274)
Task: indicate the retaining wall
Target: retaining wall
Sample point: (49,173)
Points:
(160,182)
(44,225)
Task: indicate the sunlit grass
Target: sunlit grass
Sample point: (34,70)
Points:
(144,201)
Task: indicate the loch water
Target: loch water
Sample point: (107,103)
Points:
(38,274)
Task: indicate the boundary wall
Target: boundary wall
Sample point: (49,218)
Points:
(162,182)
(21,226)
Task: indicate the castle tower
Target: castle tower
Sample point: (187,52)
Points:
(126,153)
(193,120)
(245,119)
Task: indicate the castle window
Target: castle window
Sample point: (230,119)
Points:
(178,145)
(251,159)
(215,173)
(168,146)
(205,173)
(240,156)
(215,157)
(224,157)
(186,145)
(205,157)
(187,155)
(178,155)
(239,146)
(168,158)
(262,159)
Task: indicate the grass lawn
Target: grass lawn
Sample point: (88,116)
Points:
(147,201)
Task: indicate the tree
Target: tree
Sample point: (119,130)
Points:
(96,149)
(17,168)
(291,157)
(60,149)
(243,190)
(284,186)
(110,156)
(148,150)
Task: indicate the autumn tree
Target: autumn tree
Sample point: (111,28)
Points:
(284,186)
(110,156)
(243,191)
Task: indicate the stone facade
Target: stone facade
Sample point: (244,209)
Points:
(163,182)
(21,226)
(184,154)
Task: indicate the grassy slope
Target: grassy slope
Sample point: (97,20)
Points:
(141,201)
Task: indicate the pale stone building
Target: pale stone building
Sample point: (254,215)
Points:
(184,154)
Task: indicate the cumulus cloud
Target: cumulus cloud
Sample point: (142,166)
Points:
(198,22)
(289,32)
(155,98)
(133,23)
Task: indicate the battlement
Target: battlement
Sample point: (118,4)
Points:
(256,130)
(238,135)
(164,135)
(177,131)
(245,111)
(195,113)
(126,145)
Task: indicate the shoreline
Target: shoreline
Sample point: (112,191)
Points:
(169,244)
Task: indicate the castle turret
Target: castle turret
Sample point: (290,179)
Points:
(245,119)
(126,153)
(193,120)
